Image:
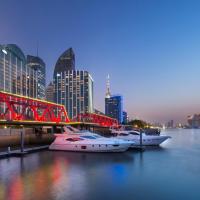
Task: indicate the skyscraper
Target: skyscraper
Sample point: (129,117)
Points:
(125,117)
(38,65)
(50,92)
(15,75)
(66,62)
(73,88)
(113,104)
(113,107)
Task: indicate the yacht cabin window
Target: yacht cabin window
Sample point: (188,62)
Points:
(73,139)
(123,134)
(134,133)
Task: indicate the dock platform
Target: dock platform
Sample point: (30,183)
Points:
(18,152)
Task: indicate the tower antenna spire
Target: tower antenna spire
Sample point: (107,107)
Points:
(108,87)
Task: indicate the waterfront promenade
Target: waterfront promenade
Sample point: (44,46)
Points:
(168,172)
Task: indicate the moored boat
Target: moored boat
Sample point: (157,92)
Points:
(139,138)
(74,140)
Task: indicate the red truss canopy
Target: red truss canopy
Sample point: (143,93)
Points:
(20,108)
(102,120)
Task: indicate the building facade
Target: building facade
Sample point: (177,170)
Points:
(39,66)
(16,76)
(125,117)
(114,107)
(170,124)
(194,121)
(50,92)
(72,88)
(113,103)
(66,62)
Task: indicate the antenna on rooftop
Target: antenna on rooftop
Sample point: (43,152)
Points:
(108,87)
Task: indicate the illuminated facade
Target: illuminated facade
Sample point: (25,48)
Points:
(113,104)
(72,88)
(125,117)
(50,92)
(15,76)
(38,65)
(66,62)
(114,107)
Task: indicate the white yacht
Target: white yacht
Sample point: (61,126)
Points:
(73,139)
(134,136)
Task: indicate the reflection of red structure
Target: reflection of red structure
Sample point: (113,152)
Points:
(102,120)
(20,108)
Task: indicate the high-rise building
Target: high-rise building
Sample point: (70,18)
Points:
(170,124)
(113,107)
(38,65)
(72,88)
(50,92)
(66,62)
(125,117)
(113,104)
(15,75)
(194,121)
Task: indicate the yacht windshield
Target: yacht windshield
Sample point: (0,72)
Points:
(73,130)
(97,136)
(134,133)
(89,137)
(123,134)
(74,139)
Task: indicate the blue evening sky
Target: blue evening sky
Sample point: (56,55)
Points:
(150,48)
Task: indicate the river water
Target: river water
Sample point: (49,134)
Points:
(171,171)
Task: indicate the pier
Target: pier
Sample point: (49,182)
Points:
(13,153)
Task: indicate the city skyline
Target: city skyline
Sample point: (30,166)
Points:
(151,56)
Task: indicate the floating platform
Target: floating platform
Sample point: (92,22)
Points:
(19,153)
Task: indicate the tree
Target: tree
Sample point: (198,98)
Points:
(136,123)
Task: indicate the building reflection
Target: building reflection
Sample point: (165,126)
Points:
(33,183)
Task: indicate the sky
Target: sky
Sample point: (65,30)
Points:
(150,48)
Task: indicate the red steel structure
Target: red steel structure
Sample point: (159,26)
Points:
(25,109)
(20,108)
(102,120)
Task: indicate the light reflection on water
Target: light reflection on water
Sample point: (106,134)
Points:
(171,171)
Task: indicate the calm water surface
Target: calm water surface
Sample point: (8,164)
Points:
(169,172)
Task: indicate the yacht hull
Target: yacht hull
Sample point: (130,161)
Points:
(150,141)
(146,141)
(90,147)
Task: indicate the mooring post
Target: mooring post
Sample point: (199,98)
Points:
(22,140)
(8,150)
(140,140)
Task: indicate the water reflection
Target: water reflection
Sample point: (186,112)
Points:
(170,171)
(48,175)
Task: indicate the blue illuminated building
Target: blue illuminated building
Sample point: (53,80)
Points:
(114,107)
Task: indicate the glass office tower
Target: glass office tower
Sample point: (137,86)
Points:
(72,88)
(39,66)
(50,92)
(66,62)
(114,107)
(15,76)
